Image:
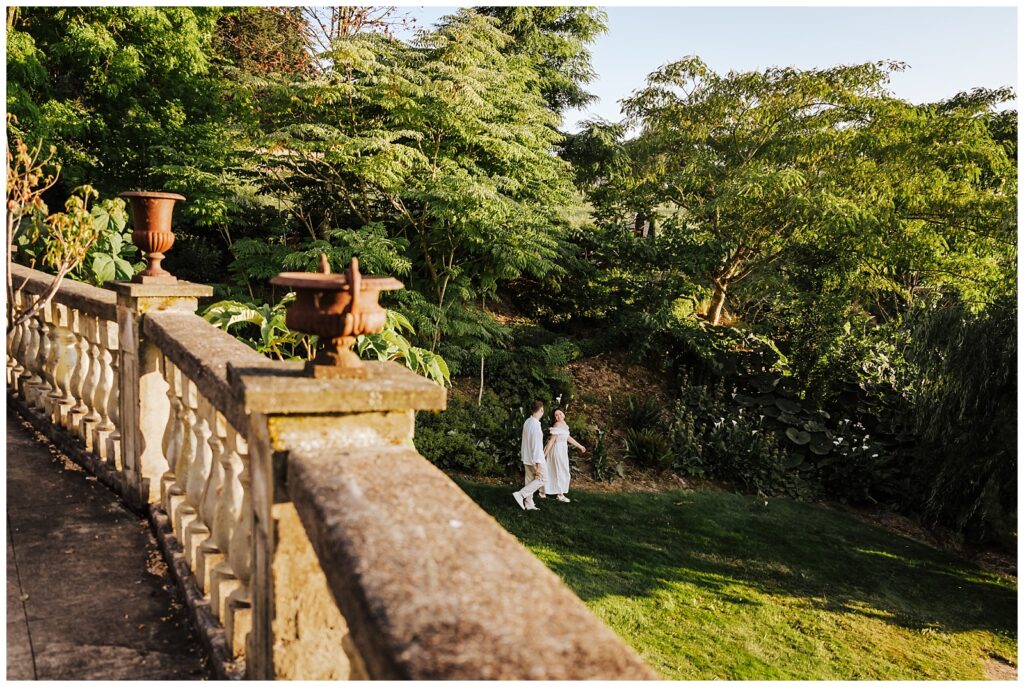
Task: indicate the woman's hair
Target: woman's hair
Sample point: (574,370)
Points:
(557,410)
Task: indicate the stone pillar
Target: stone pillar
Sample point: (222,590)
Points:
(297,630)
(143,400)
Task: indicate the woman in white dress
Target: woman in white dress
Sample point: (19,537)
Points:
(557,454)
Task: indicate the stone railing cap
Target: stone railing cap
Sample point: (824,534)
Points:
(281,388)
(181,289)
(431,586)
(76,295)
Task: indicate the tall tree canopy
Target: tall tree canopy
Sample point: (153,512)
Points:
(433,160)
(761,171)
(119,90)
(556,40)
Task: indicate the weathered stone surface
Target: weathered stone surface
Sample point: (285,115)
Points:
(356,430)
(178,289)
(19,648)
(274,387)
(309,631)
(84,297)
(432,587)
(97,602)
(19,645)
(202,352)
(79,661)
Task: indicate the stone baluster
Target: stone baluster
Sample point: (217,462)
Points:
(40,385)
(229,503)
(91,386)
(208,554)
(20,342)
(52,360)
(177,492)
(28,345)
(237,611)
(107,342)
(15,335)
(113,451)
(190,524)
(52,366)
(173,431)
(31,350)
(61,399)
(225,521)
(79,383)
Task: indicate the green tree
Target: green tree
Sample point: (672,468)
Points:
(432,160)
(555,39)
(118,90)
(264,40)
(758,168)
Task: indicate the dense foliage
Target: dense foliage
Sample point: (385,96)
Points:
(961,405)
(822,272)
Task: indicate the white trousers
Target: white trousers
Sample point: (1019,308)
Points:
(533,480)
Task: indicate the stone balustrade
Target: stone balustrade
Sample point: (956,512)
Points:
(310,539)
(63,363)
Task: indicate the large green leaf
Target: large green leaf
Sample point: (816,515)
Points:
(104,268)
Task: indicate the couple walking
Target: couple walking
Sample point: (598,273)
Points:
(547,469)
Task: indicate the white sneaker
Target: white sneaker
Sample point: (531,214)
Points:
(532,507)
(563,498)
(519,499)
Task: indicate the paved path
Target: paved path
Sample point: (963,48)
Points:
(88,595)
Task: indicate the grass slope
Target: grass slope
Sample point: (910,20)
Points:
(714,585)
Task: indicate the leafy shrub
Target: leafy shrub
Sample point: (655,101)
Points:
(746,454)
(687,442)
(599,468)
(642,412)
(480,440)
(861,468)
(263,328)
(533,366)
(196,258)
(961,401)
(391,344)
(109,253)
(580,427)
(649,447)
(713,435)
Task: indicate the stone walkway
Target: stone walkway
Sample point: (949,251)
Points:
(88,594)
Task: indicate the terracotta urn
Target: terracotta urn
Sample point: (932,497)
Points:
(151,231)
(338,308)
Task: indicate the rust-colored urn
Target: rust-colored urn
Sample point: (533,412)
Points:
(151,231)
(338,308)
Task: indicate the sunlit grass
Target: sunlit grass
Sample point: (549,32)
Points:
(712,585)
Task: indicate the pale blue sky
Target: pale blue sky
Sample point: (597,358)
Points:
(947,49)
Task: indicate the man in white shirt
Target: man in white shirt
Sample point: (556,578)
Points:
(533,458)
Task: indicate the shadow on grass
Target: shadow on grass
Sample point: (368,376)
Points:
(637,544)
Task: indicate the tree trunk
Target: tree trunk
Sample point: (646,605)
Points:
(638,224)
(480,398)
(717,303)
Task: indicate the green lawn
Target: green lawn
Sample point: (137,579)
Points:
(712,585)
